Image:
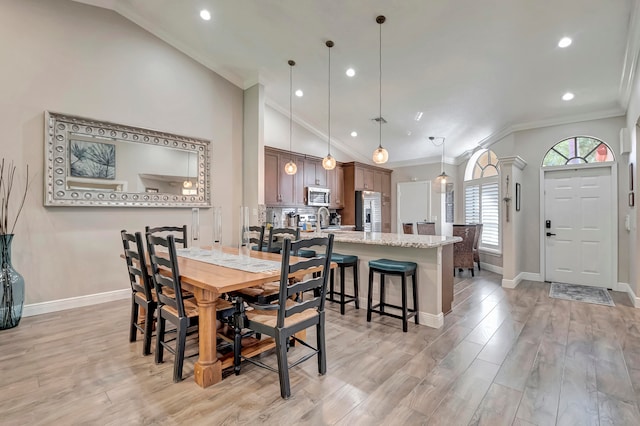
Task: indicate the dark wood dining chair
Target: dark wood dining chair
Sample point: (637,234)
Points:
(476,244)
(179,233)
(463,250)
(426,228)
(283,319)
(277,236)
(256,240)
(407,228)
(142,294)
(172,307)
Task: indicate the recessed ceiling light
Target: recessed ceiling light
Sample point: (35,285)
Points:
(299,93)
(565,42)
(568,96)
(354,134)
(205,14)
(418,116)
(351,72)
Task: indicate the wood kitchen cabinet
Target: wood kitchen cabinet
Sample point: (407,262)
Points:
(314,173)
(362,177)
(335,182)
(281,189)
(271,178)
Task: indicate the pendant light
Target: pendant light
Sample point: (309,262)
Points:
(442,177)
(187,184)
(290,168)
(328,162)
(380,155)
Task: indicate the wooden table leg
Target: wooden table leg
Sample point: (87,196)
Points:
(208,369)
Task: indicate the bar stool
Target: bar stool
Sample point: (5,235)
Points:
(402,269)
(344,261)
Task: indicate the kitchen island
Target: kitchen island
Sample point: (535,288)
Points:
(432,253)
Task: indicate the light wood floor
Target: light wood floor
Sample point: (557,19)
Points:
(503,357)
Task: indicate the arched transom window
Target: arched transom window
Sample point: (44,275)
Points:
(486,165)
(578,150)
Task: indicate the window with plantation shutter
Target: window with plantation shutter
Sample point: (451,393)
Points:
(482,197)
(490,215)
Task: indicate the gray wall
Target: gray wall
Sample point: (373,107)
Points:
(77,59)
(532,145)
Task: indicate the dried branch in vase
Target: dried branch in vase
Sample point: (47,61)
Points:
(7,176)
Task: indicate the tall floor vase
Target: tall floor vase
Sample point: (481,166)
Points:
(12,284)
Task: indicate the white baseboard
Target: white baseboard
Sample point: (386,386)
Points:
(531,276)
(74,302)
(431,320)
(512,283)
(491,268)
(635,301)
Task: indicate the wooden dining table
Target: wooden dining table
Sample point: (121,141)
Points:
(208,282)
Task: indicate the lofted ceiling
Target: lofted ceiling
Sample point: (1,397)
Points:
(476,69)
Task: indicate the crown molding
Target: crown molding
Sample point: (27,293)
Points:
(515,160)
(356,156)
(421,162)
(597,115)
(632,50)
(157,31)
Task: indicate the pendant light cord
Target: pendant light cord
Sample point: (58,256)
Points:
(291,64)
(442,155)
(380,90)
(329,45)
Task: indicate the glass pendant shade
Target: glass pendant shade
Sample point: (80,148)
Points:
(380,155)
(290,168)
(442,178)
(328,162)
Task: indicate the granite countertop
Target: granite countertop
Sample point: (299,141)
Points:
(383,239)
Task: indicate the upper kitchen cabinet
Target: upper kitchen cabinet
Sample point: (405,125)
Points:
(314,173)
(271,178)
(362,177)
(335,182)
(281,189)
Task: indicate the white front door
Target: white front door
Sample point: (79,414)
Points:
(578,227)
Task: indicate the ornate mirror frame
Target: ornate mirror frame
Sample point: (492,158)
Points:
(60,128)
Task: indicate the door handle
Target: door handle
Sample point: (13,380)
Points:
(549,234)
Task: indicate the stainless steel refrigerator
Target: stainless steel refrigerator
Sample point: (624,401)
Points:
(368,211)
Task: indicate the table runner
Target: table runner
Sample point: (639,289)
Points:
(232,261)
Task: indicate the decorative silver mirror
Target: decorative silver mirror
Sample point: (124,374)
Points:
(97,163)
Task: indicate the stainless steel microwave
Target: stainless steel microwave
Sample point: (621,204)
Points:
(318,196)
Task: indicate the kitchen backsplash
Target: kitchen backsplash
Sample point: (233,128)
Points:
(277,216)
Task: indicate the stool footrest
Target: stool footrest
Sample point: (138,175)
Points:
(347,298)
(410,314)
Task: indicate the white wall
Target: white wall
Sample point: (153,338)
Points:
(276,135)
(72,58)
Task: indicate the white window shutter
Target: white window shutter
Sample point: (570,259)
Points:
(490,209)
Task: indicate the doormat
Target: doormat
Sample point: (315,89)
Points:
(581,293)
